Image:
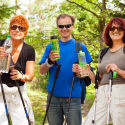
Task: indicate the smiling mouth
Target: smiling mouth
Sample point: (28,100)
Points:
(116,34)
(16,35)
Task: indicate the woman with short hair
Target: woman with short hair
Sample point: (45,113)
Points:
(23,58)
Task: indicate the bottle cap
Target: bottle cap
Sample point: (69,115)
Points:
(80,51)
(54,37)
(8,36)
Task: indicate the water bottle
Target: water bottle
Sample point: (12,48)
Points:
(5,61)
(55,45)
(83,63)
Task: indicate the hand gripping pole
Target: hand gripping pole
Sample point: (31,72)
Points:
(12,67)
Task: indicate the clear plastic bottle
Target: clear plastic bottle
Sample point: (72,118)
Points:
(83,63)
(55,45)
(5,61)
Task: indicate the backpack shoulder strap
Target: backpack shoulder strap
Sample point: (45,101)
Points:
(124,49)
(78,47)
(103,52)
(50,49)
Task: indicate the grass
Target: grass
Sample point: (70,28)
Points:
(38,101)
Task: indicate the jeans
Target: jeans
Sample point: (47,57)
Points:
(58,107)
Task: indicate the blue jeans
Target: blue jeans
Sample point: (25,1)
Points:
(58,108)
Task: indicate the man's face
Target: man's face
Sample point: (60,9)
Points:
(65,32)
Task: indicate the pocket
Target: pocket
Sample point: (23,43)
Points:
(119,100)
(54,100)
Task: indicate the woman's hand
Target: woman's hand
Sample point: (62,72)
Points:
(16,75)
(112,67)
(53,55)
(88,68)
(2,52)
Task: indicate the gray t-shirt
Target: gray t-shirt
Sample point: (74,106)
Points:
(117,57)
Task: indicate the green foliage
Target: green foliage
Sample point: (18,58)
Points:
(39,43)
(90,89)
(6,12)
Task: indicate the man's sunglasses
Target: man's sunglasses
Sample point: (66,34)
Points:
(21,28)
(119,28)
(66,26)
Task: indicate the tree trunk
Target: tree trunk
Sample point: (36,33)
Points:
(17,11)
(27,13)
(101,29)
(102,24)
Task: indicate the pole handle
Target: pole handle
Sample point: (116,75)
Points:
(96,79)
(110,74)
(57,71)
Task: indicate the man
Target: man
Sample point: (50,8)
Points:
(68,57)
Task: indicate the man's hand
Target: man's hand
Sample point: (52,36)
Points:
(77,69)
(53,55)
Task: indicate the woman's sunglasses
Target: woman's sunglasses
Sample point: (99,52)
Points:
(119,28)
(21,28)
(66,26)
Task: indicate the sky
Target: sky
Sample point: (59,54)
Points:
(27,2)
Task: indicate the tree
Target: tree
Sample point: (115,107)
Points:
(5,12)
(101,15)
(17,10)
(27,13)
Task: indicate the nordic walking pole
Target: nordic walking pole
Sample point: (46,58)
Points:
(96,91)
(12,67)
(56,76)
(111,76)
(74,74)
(7,114)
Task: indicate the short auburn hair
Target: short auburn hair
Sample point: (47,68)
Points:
(20,19)
(64,16)
(116,20)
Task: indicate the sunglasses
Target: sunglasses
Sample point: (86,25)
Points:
(21,28)
(119,28)
(66,26)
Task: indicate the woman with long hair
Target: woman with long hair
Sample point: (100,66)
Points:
(114,59)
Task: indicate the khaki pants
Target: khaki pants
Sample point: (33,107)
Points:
(15,107)
(117,106)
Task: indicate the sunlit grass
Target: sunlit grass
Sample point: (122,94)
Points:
(38,101)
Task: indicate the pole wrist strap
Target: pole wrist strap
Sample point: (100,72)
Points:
(49,63)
